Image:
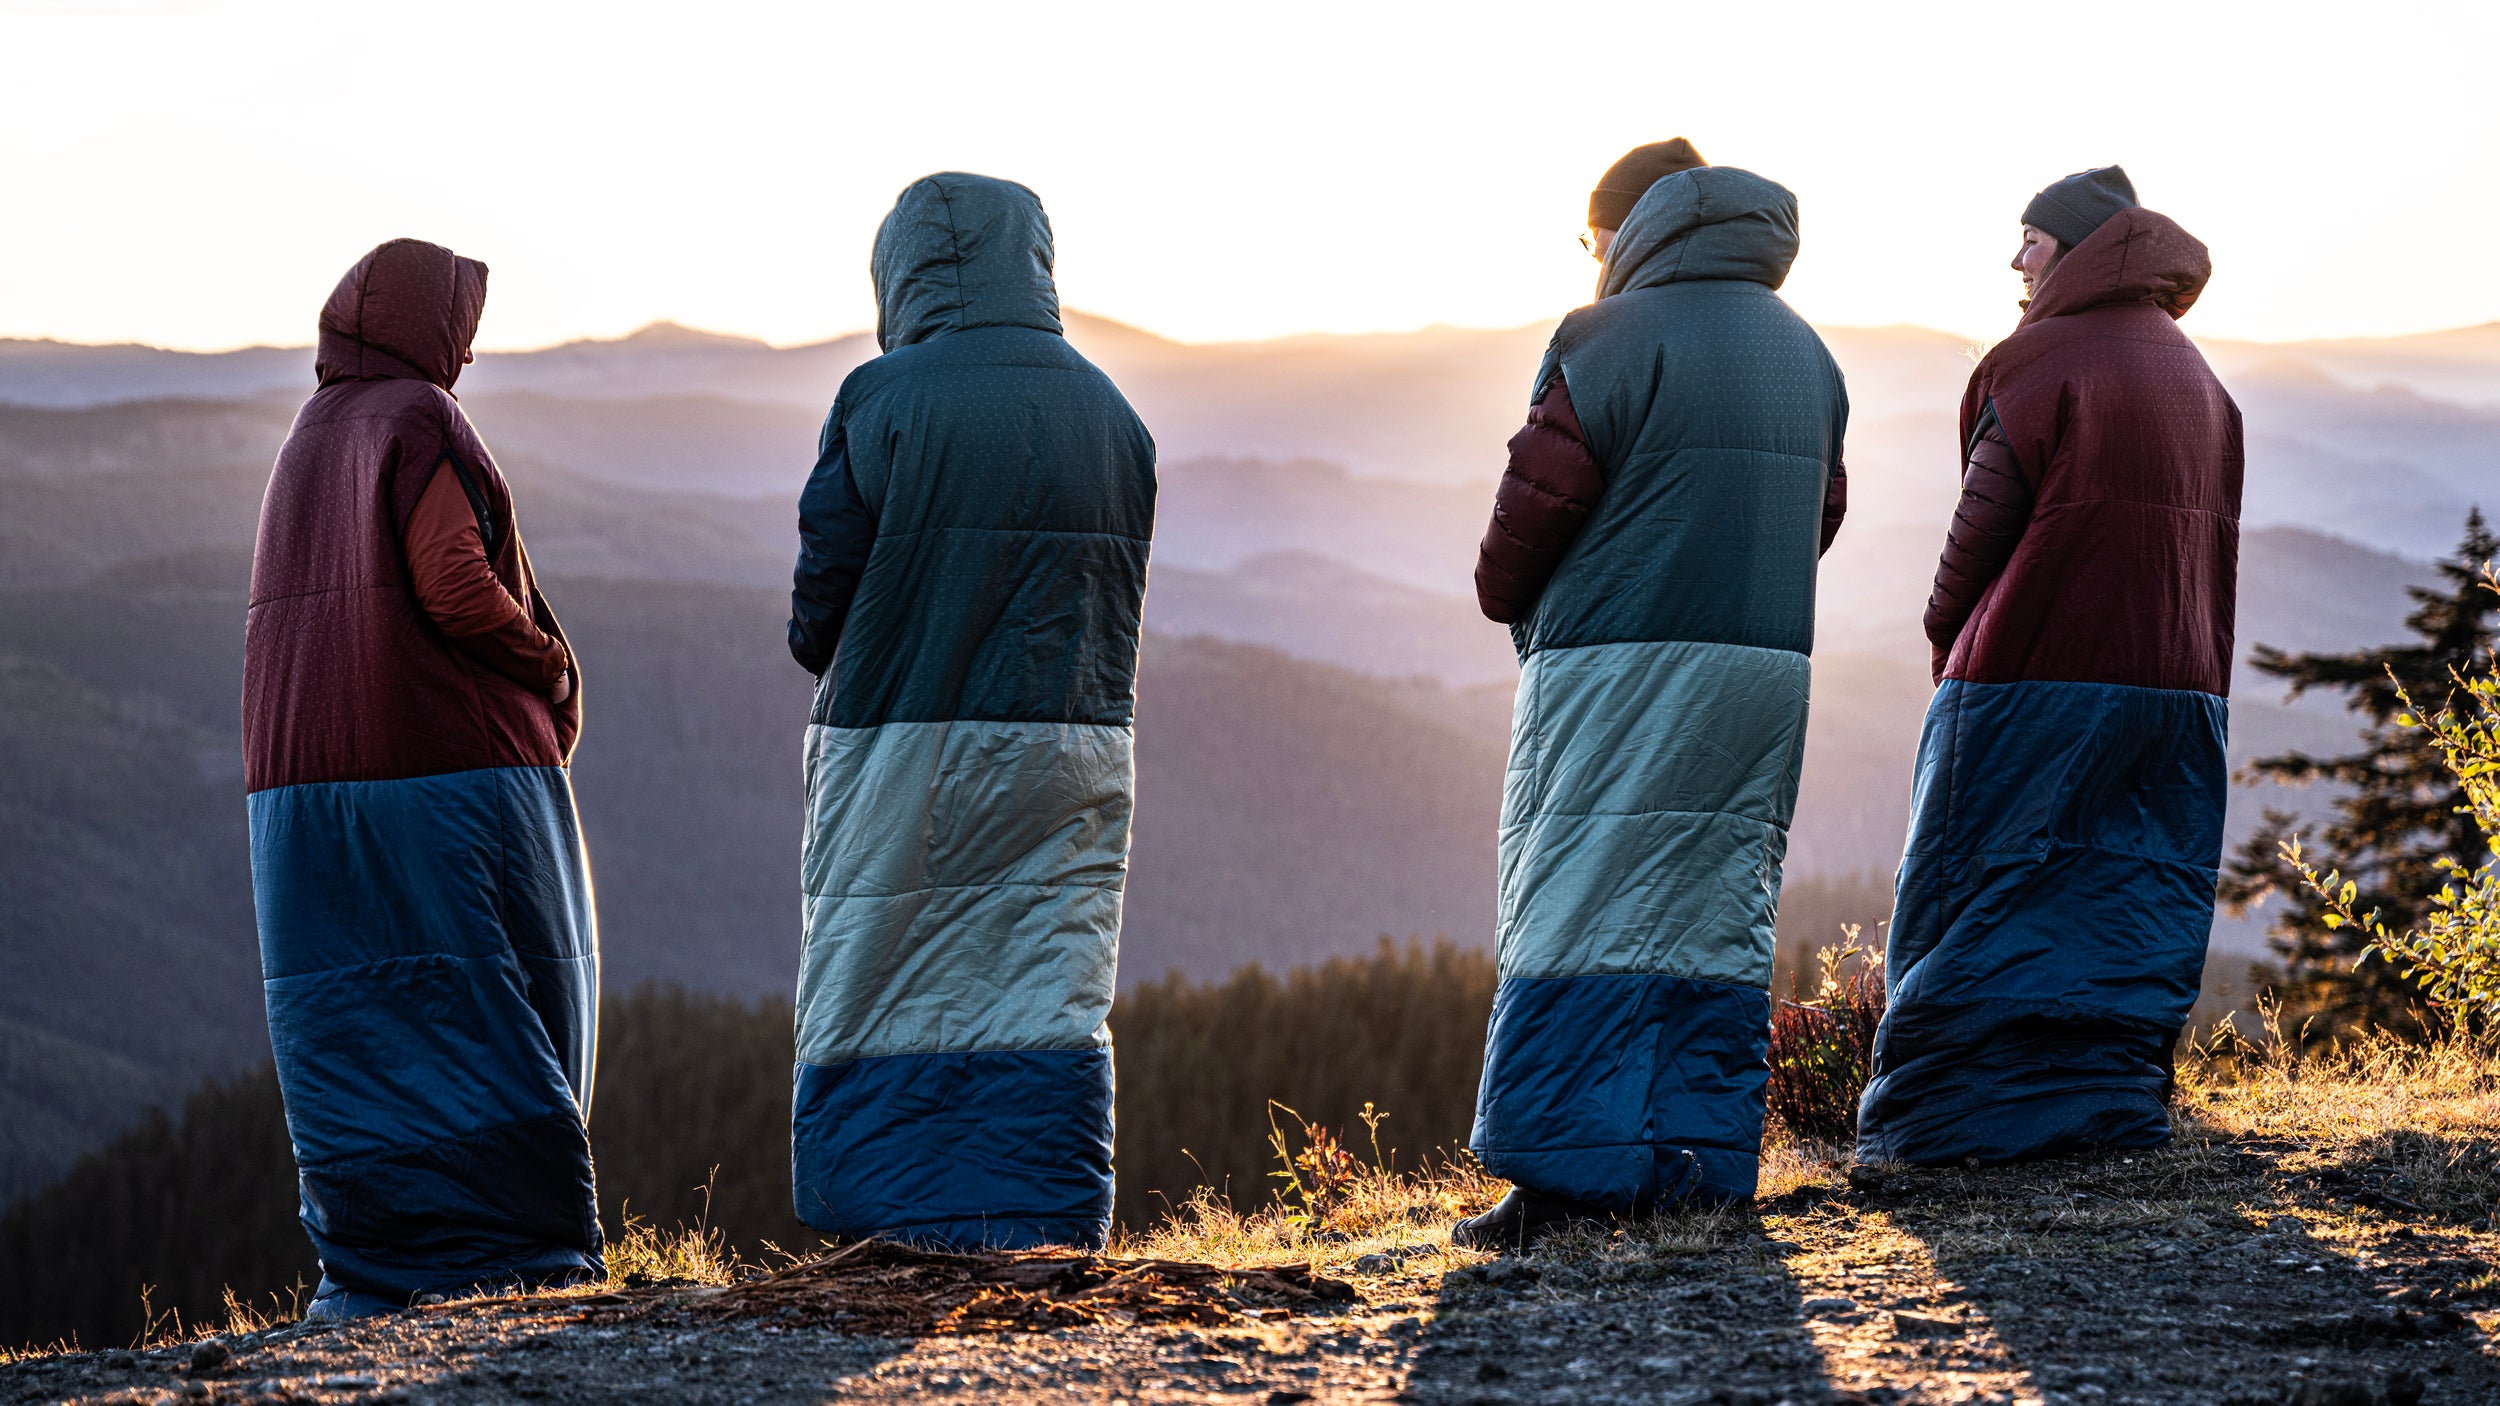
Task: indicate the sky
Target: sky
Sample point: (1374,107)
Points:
(197,173)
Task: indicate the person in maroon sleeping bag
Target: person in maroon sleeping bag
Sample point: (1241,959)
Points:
(429,952)
(2055,896)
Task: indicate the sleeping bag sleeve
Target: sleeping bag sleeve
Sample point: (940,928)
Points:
(1546,496)
(461,594)
(1835,504)
(1987,524)
(836,531)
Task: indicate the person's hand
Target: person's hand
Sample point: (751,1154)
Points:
(563,688)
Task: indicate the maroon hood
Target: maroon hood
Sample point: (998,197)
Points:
(406,311)
(2136,257)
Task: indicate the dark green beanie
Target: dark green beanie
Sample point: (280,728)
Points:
(1628,180)
(2070,210)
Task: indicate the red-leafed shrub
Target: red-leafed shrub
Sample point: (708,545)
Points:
(1822,1050)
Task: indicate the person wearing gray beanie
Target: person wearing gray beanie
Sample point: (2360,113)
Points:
(2081,642)
(2064,215)
(2069,210)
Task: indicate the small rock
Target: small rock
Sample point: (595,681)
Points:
(125,1360)
(1284,1395)
(1923,1325)
(210,1355)
(196,1389)
(1510,1274)
(1816,1308)
(1373,1264)
(429,1300)
(2040,1220)
(1492,1372)
(2440,1322)
(2405,1388)
(1422,1215)
(1866,1178)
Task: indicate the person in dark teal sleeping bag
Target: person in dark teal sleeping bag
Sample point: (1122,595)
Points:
(971,576)
(1653,548)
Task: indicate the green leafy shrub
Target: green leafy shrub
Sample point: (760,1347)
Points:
(2452,953)
(2396,814)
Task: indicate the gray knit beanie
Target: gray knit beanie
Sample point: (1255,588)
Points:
(2072,208)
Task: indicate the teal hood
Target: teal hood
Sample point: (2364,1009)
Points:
(1712,222)
(960,252)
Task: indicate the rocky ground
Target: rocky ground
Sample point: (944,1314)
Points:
(2319,1246)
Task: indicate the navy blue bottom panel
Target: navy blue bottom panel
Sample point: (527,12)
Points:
(431,970)
(1005,1150)
(2050,921)
(1617,1089)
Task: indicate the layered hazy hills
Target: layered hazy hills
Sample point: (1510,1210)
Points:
(1321,713)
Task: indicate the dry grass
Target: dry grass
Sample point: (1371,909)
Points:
(2358,1148)
(646,1254)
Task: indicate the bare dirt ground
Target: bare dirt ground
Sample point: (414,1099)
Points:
(2321,1243)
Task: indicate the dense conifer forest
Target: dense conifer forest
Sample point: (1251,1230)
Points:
(690,1123)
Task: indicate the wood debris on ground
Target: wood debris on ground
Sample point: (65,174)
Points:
(882,1288)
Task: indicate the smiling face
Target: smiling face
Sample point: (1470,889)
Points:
(2035,258)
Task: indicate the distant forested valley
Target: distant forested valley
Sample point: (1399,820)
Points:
(1321,721)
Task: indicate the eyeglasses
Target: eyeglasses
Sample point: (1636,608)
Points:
(1588,242)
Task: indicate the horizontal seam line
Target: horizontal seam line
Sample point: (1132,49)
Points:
(1814,459)
(946,1054)
(1688,644)
(1634,815)
(2054,846)
(1024,532)
(398,1149)
(1643,976)
(2039,508)
(1605,1146)
(326,591)
(987,884)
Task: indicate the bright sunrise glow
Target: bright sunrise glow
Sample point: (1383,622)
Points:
(197,174)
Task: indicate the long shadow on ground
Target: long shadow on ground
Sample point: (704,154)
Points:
(1694,1308)
(2218,1272)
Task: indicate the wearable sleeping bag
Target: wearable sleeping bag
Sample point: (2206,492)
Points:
(2057,890)
(427,942)
(969,587)
(1661,713)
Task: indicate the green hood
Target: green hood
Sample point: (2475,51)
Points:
(959,252)
(1712,222)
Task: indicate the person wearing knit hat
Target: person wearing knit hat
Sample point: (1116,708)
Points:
(1628,180)
(1653,549)
(2057,888)
(2064,215)
(2071,209)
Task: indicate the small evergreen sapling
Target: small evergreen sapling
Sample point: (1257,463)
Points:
(2401,820)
